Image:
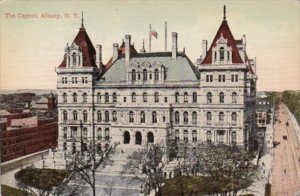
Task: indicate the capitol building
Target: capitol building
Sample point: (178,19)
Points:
(141,97)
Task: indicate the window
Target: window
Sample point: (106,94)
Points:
(194,97)
(139,76)
(106,116)
(221,54)
(65,146)
(74,80)
(64,80)
(114,97)
(144,97)
(156,74)
(84,80)
(228,55)
(208,136)
(133,97)
(209,78)
(99,116)
(208,118)
(233,118)
(185,117)
(154,117)
(84,133)
(99,133)
(234,97)
(194,117)
(65,97)
(185,97)
(84,96)
(209,97)
(131,119)
(185,135)
(221,78)
(124,99)
(65,115)
(74,58)
(176,117)
(221,96)
(99,98)
(177,135)
(65,132)
(156,97)
(74,97)
(133,75)
(176,97)
(215,56)
(194,135)
(114,116)
(106,97)
(221,136)
(144,75)
(221,117)
(234,78)
(164,119)
(106,134)
(75,115)
(233,137)
(85,116)
(74,133)
(143,117)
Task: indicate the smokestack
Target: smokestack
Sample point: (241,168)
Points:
(204,48)
(115,51)
(99,56)
(127,48)
(174,45)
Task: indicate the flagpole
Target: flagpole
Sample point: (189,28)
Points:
(165,36)
(150,38)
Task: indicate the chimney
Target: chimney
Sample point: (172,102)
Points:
(174,45)
(99,56)
(115,51)
(244,42)
(204,48)
(127,48)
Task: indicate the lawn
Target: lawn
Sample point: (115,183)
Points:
(9,191)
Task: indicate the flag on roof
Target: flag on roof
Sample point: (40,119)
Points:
(153,33)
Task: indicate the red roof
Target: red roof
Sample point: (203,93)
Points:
(88,51)
(226,33)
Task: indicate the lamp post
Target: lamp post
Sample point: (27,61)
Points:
(81,140)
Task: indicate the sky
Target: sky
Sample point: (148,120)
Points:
(31,47)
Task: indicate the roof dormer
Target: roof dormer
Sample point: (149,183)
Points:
(222,52)
(73,55)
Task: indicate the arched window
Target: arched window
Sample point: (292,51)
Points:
(75,115)
(143,117)
(65,97)
(154,117)
(144,97)
(156,74)
(106,97)
(65,132)
(176,117)
(233,118)
(99,116)
(209,97)
(177,135)
(99,98)
(194,117)
(208,136)
(221,54)
(133,97)
(185,117)
(65,115)
(114,97)
(114,116)
(156,97)
(233,137)
(74,58)
(185,97)
(221,117)
(221,96)
(194,97)
(194,135)
(131,119)
(234,97)
(99,133)
(107,134)
(144,74)
(84,133)
(84,96)
(208,118)
(185,135)
(133,75)
(228,55)
(176,97)
(74,97)
(215,56)
(74,133)
(106,116)
(85,116)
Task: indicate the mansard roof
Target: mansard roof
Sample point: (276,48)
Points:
(226,33)
(179,70)
(88,51)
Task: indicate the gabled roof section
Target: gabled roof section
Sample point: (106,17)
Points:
(226,33)
(88,51)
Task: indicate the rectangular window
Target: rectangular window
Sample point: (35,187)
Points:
(223,78)
(220,78)
(124,99)
(236,78)
(232,78)
(211,78)
(166,99)
(207,78)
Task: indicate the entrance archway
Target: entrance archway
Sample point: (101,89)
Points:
(126,137)
(138,138)
(150,137)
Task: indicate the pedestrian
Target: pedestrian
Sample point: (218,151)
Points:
(284,171)
(122,151)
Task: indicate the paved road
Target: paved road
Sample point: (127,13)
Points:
(286,164)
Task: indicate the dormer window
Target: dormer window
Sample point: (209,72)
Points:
(221,54)
(156,74)
(74,58)
(144,75)
(133,75)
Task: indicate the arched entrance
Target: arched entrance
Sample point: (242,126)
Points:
(138,138)
(126,137)
(150,137)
